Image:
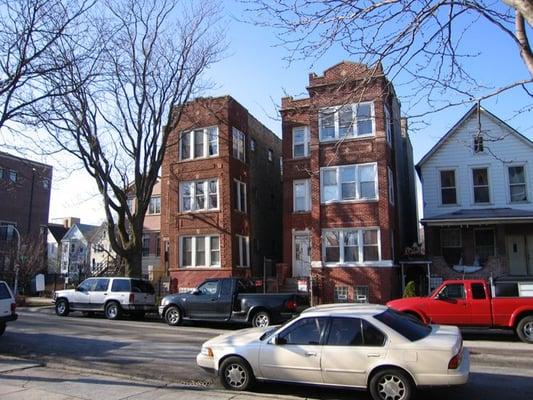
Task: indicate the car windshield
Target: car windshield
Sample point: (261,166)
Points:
(406,326)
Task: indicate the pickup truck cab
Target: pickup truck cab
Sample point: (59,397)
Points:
(504,303)
(7,306)
(231,300)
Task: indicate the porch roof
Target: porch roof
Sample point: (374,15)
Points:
(481,216)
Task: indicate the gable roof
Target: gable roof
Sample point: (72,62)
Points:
(85,229)
(57,231)
(454,129)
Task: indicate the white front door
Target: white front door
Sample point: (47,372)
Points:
(302,256)
(516,249)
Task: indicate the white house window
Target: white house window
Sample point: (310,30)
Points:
(239,142)
(302,195)
(388,126)
(350,245)
(240,195)
(243,259)
(199,251)
(362,294)
(517,184)
(199,143)
(199,195)
(480,178)
(347,121)
(451,245)
(448,190)
(155,205)
(12,176)
(391,185)
(478,144)
(349,182)
(341,294)
(300,141)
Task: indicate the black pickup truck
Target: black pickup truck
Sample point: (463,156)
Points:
(231,300)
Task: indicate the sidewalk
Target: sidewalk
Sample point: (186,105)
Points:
(25,380)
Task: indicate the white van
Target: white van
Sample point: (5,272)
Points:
(7,306)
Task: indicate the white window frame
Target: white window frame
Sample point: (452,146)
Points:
(240,186)
(474,202)
(154,209)
(388,125)
(206,142)
(358,197)
(207,249)
(305,142)
(456,187)
(360,247)
(205,183)
(239,145)
(12,175)
(243,241)
(390,185)
(335,111)
(523,166)
(307,190)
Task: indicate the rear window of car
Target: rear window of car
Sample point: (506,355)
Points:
(4,291)
(120,285)
(406,326)
(139,286)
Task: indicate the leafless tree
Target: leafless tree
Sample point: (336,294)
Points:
(139,62)
(28,31)
(424,41)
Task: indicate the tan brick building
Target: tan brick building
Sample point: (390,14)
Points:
(349,203)
(220,194)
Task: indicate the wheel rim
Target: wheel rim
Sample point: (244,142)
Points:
(261,320)
(61,307)
(392,387)
(235,375)
(528,330)
(173,316)
(112,311)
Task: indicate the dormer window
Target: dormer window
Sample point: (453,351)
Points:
(478,144)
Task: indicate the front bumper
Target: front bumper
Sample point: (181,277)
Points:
(206,363)
(7,318)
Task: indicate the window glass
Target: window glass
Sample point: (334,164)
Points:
(187,251)
(306,331)
(481,185)
(484,245)
(327,125)
(140,286)
(345,332)
(348,183)
(372,336)
(238,144)
(225,287)
(209,288)
(406,326)
(185,145)
(300,142)
(121,285)
(478,291)
(451,245)
(87,285)
(101,285)
(212,134)
(329,184)
(215,250)
(199,195)
(351,250)
(517,184)
(4,292)
(453,291)
(154,207)
(364,119)
(370,245)
(341,294)
(200,251)
(448,190)
(198,144)
(367,178)
(332,246)
(213,194)
(345,122)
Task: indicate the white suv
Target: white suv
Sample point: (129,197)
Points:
(7,306)
(113,296)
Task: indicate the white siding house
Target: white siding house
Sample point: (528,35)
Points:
(477,185)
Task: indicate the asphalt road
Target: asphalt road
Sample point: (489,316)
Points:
(502,367)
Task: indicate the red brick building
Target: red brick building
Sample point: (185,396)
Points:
(349,203)
(220,194)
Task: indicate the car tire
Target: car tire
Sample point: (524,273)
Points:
(236,374)
(261,319)
(524,329)
(391,384)
(2,328)
(113,310)
(173,316)
(62,307)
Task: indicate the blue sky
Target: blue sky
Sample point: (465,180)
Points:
(255,74)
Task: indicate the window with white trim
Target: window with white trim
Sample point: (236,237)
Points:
(155,205)
(480,177)
(199,143)
(199,251)
(243,255)
(239,144)
(350,245)
(391,185)
(240,195)
(348,182)
(517,183)
(362,294)
(340,294)
(448,190)
(388,126)
(302,195)
(199,195)
(300,141)
(348,121)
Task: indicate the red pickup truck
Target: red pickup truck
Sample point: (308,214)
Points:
(503,303)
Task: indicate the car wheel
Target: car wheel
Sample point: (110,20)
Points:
(113,310)
(173,316)
(261,319)
(62,308)
(236,374)
(524,329)
(2,328)
(391,384)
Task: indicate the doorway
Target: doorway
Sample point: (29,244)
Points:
(301,265)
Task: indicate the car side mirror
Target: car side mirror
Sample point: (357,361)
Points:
(442,296)
(279,340)
(78,289)
(196,292)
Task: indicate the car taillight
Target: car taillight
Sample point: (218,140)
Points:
(13,308)
(291,305)
(456,360)
(132,297)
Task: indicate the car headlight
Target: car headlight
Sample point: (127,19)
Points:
(207,351)
(164,301)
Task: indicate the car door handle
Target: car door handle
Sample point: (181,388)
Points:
(213,299)
(105,294)
(373,355)
(310,354)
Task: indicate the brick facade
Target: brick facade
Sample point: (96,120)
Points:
(345,84)
(261,223)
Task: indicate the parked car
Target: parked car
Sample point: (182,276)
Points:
(7,306)
(503,303)
(231,300)
(113,296)
(350,345)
